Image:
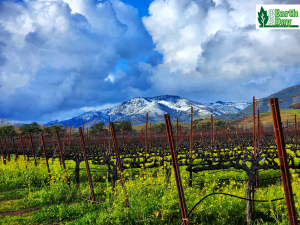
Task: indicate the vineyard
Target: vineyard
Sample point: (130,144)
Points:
(176,175)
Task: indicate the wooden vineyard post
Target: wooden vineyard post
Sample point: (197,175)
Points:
(32,148)
(86,164)
(176,170)
(46,158)
(118,160)
(62,159)
(284,166)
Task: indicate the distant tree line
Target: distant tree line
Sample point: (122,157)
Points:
(100,127)
(295,106)
(197,124)
(7,129)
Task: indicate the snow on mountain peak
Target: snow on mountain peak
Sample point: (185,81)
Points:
(155,106)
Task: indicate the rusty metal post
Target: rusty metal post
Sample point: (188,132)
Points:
(284,166)
(86,164)
(146,135)
(176,170)
(118,160)
(254,134)
(62,159)
(46,158)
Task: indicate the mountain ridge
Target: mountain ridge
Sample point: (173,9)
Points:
(135,110)
(263,105)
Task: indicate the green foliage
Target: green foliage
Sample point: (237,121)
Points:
(295,106)
(96,128)
(197,124)
(30,128)
(156,127)
(8,130)
(53,128)
(4,122)
(118,125)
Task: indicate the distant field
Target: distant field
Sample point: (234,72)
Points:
(266,118)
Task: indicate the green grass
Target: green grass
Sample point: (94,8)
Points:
(150,201)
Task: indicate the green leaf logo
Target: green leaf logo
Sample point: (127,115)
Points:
(263,17)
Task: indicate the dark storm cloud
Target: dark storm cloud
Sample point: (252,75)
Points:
(55,60)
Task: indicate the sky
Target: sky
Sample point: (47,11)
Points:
(60,58)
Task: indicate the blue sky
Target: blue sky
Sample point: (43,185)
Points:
(60,58)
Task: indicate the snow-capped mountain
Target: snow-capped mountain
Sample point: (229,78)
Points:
(229,107)
(136,109)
